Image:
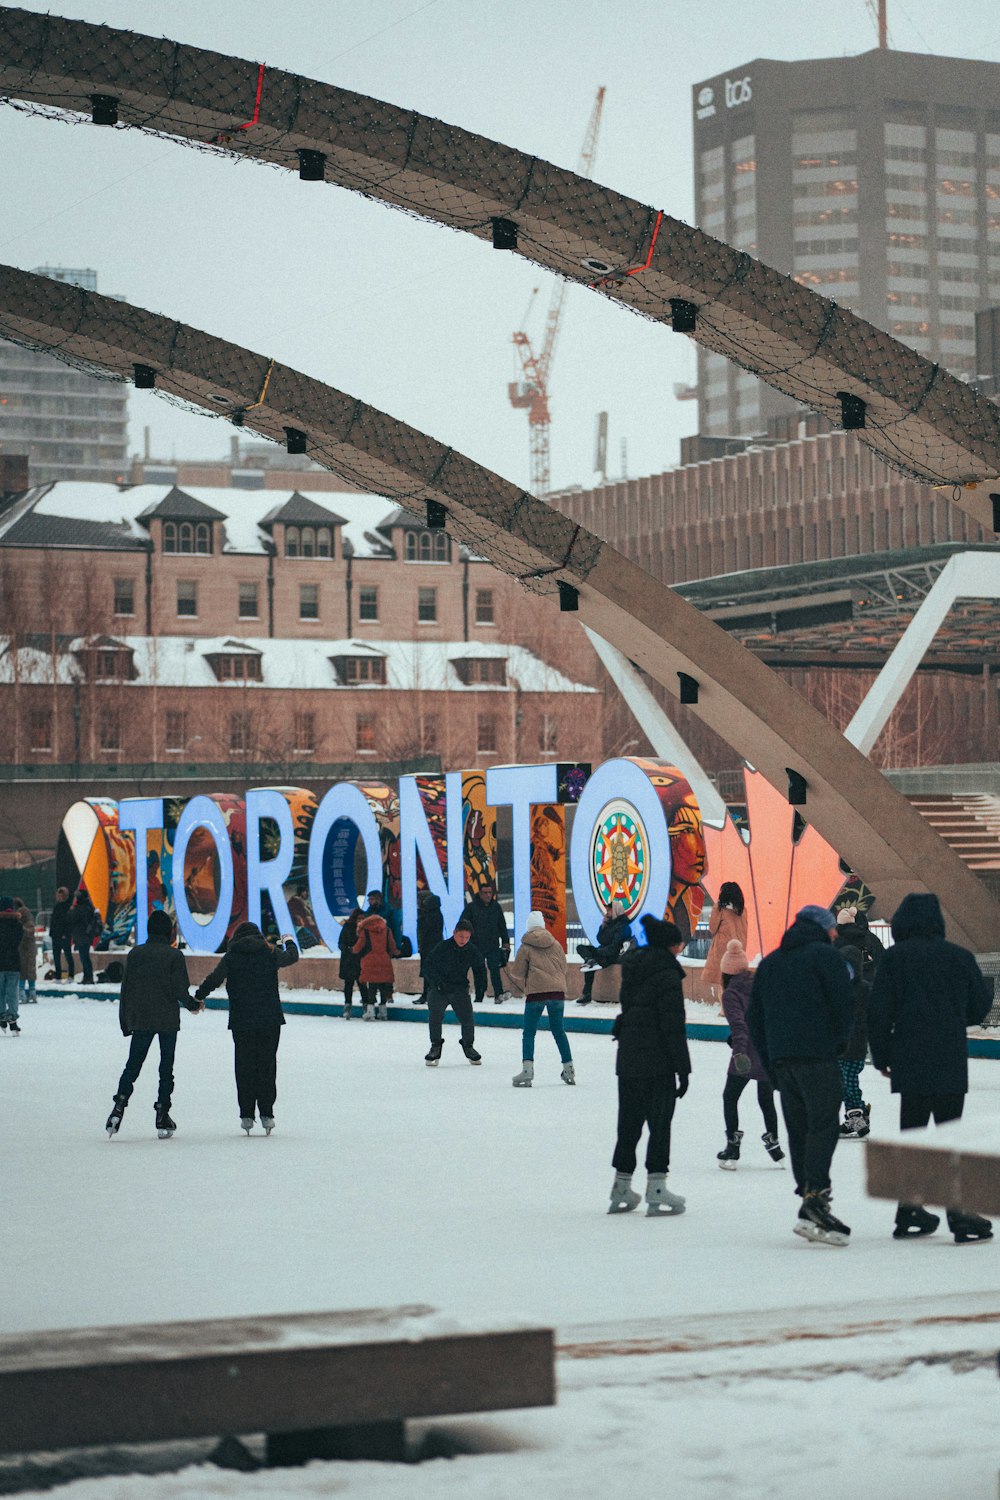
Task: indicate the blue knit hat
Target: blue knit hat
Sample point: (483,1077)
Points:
(821,915)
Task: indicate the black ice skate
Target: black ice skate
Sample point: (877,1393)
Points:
(817,1223)
(728,1158)
(15,1029)
(913,1221)
(114,1119)
(268,1123)
(772,1148)
(471,1054)
(165,1126)
(968,1228)
(434,1055)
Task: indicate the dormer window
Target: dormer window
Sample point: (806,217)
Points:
(354,670)
(426,546)
(187,537)
(308,541)
(475,670)
(236,666)
(113,666)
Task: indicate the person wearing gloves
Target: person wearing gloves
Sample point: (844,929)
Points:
(744,1064)
(154,987)
(728,921)
(653,1066)
(927,992)
(485,916)
(250,967)
(446,969)
(539,973)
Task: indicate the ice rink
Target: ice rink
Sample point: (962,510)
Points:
(754,1356)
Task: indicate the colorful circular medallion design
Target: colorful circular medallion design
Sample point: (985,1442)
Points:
(619,866)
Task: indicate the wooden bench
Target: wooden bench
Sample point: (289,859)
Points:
(320,1385)
(958,1166)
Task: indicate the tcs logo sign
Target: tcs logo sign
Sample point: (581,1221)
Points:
(738,91)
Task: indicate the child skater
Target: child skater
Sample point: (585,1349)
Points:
(744,1064)
(250,968)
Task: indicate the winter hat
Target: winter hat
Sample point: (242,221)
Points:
(535,922)
(847,914)
(159,924)
(821,915)
(734,960)
(245,930)
(661,934)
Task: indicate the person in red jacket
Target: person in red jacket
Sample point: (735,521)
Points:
(376,947)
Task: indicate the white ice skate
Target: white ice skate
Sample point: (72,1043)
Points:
(624,1198)
(524,1079)
(368,1014)
(246,1123)
(381,1012)
(268,1123)
(568,1074)
(660,1203)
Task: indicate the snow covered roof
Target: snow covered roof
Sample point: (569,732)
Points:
(178,505)
(299,510)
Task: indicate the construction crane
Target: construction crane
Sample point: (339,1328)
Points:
(531,392)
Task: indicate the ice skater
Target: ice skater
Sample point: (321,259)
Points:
(926,993)
(376,948)
(154,987)
(250,967)
(857,1112)
(447,968)
(350,963)
(539,972)
(744,1064)
(59,933)
(430,932)
(29,954)
(10,967)
(485,916)
(653,1066)
(728,921)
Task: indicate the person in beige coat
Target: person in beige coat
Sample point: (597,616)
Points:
(539,973)
(28,953)
(728,921)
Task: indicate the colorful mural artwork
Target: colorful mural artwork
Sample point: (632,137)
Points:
(548,866)
(479,834)
(302,806)
(783,865)
(688,855)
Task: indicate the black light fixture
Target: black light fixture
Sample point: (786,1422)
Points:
(144,377)
(504,234)
(689,687)
(683,315)
(437,515)
(796,788)
(569,598)
(852,411)
(237,418)
(995,499)
(295,441)
(312,166)
(104,109)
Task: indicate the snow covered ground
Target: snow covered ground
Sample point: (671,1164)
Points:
(690,1345)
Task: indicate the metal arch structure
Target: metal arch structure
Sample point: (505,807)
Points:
(917,417)
(763,718)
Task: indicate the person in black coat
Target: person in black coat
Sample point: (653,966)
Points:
(800,1018)
(85,927)
(653,1065)
(927,992)
(154,987)
(485,916)
(430,932)
(250,967)
(350,962)
(613,935)
(856,1111)
(446,969)
(60,934)
(11,933)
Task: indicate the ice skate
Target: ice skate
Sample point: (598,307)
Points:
(728,1157)
(568,1074)
(348,1012)
(13,1026)
(246,1123)
(855,1126)
(381,1012)
(268,1123)
(772,1148)
(499,999)
(524,1079)
(590,967)
(968,1228)
(912,1222)
(817,1223)
(114,1120)
(165,1126)
(368,1014)
(3,1024)
(471,1053)
(659,1202)
(624,1197)
(434,1055)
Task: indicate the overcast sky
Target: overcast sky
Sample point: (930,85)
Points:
(408,316)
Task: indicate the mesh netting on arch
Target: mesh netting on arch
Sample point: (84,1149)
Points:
(918,418)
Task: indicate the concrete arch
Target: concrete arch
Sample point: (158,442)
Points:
(920,419)
(763,718)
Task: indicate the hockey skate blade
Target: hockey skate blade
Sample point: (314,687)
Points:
(165,1135)
(816,1236)
(431,1062)
(728,1166)
(624,1208)
(665,1211)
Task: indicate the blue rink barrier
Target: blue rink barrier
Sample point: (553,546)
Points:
(487,1014)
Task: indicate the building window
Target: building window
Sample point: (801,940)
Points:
(109,734)
(426,546)
(324,542)
(305,732)
(187,537)
(175,736)
(238,667)
(187,596)
(40,729)
(111,666)
(427,608)
(169,536)
(203,538)
(293,541)
(368,605)
(248,601)
(490,669)
(484,606)
(548,735)
(486,734)
(428,732)
(309,601)
(124,596)
(240,726)
(364,732)
(363,669)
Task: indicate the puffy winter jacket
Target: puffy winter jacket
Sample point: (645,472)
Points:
(154,988)
(250,968)
(447,967)
(735,1003)
(926,993)
(84,922)
(59,920)
(350,963)
(724,924)
(801,1004)
(857,1044)
(489,925)
(376,947)
(650,1029)
(539,965)
(430,926)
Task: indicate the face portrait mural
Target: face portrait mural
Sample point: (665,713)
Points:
(688,857)
(479,834)
(548,867)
